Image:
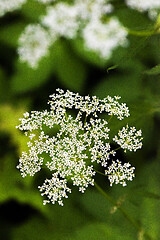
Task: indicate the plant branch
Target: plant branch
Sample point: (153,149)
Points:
(122,210)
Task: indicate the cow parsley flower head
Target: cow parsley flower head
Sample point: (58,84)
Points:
(54,189)
(148,5)
(103,38)
(119,173)
(62,20)
(33,44)
(142,5)
(89,9)
(129,138)
(75,145)
(46,1)
(10,5)
(84,19)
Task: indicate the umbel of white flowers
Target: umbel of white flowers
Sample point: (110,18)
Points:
(143,5)
(78,144)
(81,19)
(148,5)
(91,21)
(12,5)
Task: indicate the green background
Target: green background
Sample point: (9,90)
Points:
(134,74)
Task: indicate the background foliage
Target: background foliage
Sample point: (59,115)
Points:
(133,73)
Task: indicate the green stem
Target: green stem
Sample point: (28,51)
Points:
(100,172)
(85,120)
(122,210)
(148,33)
(66,115)
(117,149)
(110,116)
(104,193)
(142,33)
(157,25)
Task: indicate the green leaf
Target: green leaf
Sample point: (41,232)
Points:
(9,119)
(94,231)
(94,203)
(58,224)
(133,19)
(25,78)
(125,84)
(13,186)
(101,231)
(112,68)
(101,211)
(4,87)
(149,213)
(86,54)
(9,34)
(153,71)
(142,198)
(150,195)
(70,70)
(33,10)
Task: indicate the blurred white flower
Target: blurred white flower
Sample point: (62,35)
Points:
(142,5)
(46,1)
(62,20)
(104,38)
(81,18)
(153,13)
(89,9)
(10,5)
(152,6)
(33,44)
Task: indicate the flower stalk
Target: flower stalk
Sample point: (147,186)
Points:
(123,211)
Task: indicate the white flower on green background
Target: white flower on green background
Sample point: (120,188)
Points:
(129,138)
(78,143)
(80,19)
(153,7)
(33,44)
(119,173)
(142,5)
(10,5)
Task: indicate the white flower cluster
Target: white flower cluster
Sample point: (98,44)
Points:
(104,38)
(119,173)
(61,20)
(10,5)
(78,144)
(129,138)
(46,1)
(142,5)
(33,44)
(148,5)
(54,189)
(83,19)
(89,105)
